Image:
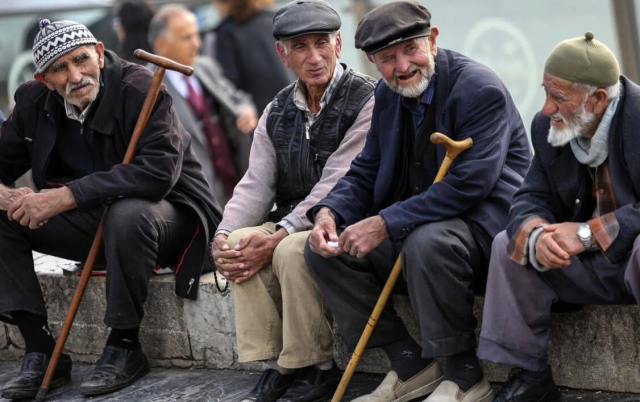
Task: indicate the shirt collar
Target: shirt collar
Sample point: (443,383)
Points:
(300,97)
(425,99)
(73,114)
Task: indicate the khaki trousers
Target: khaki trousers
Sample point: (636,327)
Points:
(280,313)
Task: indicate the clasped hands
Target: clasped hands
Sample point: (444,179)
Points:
(358,239)
(252,253)
(35,209)
(557,244)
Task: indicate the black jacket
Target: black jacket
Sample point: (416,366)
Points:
(556,182)
(164,166)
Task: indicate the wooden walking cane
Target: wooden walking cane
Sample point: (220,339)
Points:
(454,148)
(150,100)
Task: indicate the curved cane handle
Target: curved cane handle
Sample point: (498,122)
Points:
(163,62)
(454,148)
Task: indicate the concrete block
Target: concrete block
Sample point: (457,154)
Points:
(4,340)
(211,325)
(595,348)
(163,332)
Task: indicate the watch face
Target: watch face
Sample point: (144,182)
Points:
(584,232)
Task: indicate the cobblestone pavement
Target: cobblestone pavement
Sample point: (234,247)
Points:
(228,386)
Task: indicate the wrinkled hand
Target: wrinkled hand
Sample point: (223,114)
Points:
(222,255)
(10,195)
(255,252)
(324,230)
(566,235)
(247,121)
(549,253)
(359,239)
(35,209)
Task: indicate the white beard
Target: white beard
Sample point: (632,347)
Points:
(574,128)
(414,90)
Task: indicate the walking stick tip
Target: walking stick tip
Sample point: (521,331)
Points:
(42,394)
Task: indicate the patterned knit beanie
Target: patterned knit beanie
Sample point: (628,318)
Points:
(58,38)
(584,60)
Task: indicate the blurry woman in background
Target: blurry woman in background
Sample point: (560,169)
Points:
(245,48)
(132,26)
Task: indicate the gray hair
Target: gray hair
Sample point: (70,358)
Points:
(285,46)
(613,91)
(160,22)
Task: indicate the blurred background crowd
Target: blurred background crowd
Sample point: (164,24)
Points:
(511,37)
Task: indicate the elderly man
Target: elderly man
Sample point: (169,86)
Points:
(574,225)
(386,206)
(71,126)
(219,117)
(304,143)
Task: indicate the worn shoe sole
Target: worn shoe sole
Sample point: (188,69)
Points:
(18,394)
(106,390)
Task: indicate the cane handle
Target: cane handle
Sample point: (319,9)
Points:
(163,62)
(454,148)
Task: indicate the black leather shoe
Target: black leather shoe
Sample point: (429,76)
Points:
(116,369)
(271,386)
(522,387)
(313,385)
(27,382)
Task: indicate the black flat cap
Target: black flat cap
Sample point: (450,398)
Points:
(392,23)
(301,17)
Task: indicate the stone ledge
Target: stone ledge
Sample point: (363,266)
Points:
(595,348)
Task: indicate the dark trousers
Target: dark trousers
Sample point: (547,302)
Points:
(517,309)
(138,235)
(443,263)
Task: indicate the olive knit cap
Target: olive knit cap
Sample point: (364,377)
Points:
(584,60)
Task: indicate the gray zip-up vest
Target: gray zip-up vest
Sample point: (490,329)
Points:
(301,160)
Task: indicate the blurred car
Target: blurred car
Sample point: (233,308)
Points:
(19,26)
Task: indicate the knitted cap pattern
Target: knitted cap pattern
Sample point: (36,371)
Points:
(58,38)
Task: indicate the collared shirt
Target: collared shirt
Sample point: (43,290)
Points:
(74,114)
(300,97)
(178,80)
(418,108)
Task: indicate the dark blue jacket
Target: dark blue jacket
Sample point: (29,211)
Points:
(471,102)
(556,180)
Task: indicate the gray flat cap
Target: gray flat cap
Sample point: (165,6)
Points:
(301,17)
(392,23)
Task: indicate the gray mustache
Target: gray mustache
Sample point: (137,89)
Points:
(84,81)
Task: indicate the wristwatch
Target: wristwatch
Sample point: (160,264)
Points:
(584,234)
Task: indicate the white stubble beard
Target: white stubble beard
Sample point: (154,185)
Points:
(577,126)
(414,90)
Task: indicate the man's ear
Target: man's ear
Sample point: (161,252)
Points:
(598,101)
(370,57)
(283,55)
(100,51)
(338,45)
(433,39)
(40,77)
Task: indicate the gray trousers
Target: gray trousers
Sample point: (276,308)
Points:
(138,234)
(441,262)
(517,310)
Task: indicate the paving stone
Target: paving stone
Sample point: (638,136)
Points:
(163,385)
